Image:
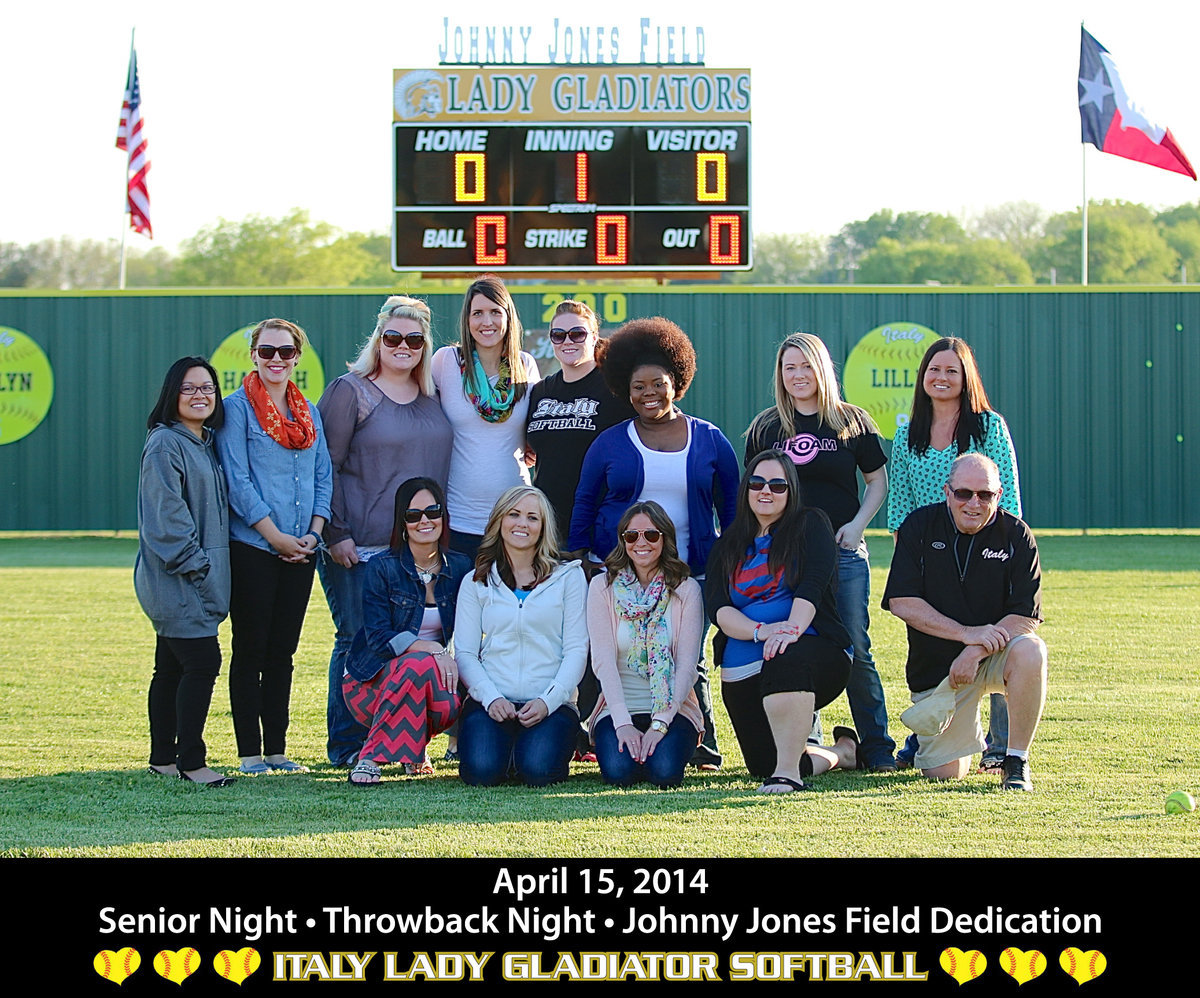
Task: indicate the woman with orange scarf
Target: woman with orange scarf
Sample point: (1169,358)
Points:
(280,483)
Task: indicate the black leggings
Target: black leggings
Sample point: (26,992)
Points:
(810,665)
(185,670)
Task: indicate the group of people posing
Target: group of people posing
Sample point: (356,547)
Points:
(538,618)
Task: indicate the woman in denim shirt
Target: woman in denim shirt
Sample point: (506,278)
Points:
(280,482)
(401,678)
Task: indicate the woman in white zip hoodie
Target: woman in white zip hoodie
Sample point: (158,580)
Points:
(521,642)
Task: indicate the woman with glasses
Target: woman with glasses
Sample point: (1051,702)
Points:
(384,426)
(830,442)
(781,645)
(951,415)
(280,483)
(483,384)
(182,571)
(521,646)
(683,463)
(645,620)
(401,678)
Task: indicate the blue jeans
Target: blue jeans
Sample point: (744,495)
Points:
(343,592)
(665,766)
(489,751)
(864,690)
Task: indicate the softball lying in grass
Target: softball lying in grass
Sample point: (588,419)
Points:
(1180,802)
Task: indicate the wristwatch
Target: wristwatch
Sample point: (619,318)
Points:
(659,726)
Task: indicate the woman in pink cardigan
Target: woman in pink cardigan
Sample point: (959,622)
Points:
(645,620)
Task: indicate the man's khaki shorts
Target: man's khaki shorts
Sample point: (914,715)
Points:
(964,736)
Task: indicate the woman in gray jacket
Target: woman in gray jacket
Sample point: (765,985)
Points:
(182,570)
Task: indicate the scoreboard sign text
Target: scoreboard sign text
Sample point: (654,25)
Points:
(572,168)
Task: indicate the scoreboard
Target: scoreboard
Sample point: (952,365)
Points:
(658,188)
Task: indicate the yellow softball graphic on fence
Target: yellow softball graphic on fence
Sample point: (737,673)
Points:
(1022,966)
(1083,965)
(963,965)
(177,966)
(881,372)
(231,360)
(26,385)
(237,965)
(117,965)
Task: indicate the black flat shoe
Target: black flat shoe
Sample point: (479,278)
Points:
(159,772)
(223,781)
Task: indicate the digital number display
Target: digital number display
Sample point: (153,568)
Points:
(644,197)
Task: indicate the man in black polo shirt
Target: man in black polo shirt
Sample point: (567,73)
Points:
(965,578)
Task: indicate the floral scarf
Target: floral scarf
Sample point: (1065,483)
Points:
(492,402)
(649,654)
(294,434)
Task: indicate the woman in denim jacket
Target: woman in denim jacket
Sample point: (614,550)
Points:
(401,678)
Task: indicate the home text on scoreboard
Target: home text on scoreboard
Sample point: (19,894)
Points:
(553,168)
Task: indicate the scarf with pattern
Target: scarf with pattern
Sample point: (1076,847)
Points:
(295,434)
(649,653)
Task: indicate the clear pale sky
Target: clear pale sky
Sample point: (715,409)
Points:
(258,107)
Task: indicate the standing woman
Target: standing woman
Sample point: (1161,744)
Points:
(645,620)
(569,409)
(401,679)
(384,426)
(483,384)
(683,463)
(951,415)
(280,482)
(182,571)
(521,648)
(830,442)
(782,648)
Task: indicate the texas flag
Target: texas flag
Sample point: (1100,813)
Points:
(1113,123)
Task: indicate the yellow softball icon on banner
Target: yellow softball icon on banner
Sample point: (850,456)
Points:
(881,372)
(116,965)
(177,966)
(26,385)
(231,360)
(237,965)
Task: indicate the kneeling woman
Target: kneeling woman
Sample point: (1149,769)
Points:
(645,618)
(521,647)
(782,648)
(401,680)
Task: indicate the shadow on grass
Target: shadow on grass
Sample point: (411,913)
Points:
(115,808)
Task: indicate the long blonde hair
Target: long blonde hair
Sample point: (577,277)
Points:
(491,548)
(366,365)
(844,419)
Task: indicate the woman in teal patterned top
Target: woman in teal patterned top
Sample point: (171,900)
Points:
(951,415)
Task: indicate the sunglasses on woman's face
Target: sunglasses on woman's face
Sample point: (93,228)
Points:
(433,512)
(414,341)
(652,536)
(777,485)
(268,352)
(577,334)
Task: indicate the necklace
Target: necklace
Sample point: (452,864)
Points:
(427,573)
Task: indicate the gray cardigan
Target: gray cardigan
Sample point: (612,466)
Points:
(182,573)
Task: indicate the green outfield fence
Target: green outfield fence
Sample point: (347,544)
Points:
(1101,388)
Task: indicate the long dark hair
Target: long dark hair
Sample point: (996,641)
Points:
(674,569)
(973,402)
(404,498)
(166,409)
(787,533)
(494,290)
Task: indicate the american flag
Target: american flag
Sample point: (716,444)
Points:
(132,137)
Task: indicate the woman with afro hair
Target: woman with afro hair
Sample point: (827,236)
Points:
(684,464)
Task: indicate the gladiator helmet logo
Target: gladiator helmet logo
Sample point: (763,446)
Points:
(418,94)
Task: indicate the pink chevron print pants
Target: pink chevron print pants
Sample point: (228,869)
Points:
(404,705)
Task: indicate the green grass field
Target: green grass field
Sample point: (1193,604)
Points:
(1119,733)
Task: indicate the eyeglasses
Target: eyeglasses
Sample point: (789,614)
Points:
(433,512)
(208,389)
(268,352)
(652,536)
(414,341)
(577,334)
(777,485)
(964,495)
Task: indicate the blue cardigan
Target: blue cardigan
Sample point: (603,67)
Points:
(613,477)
